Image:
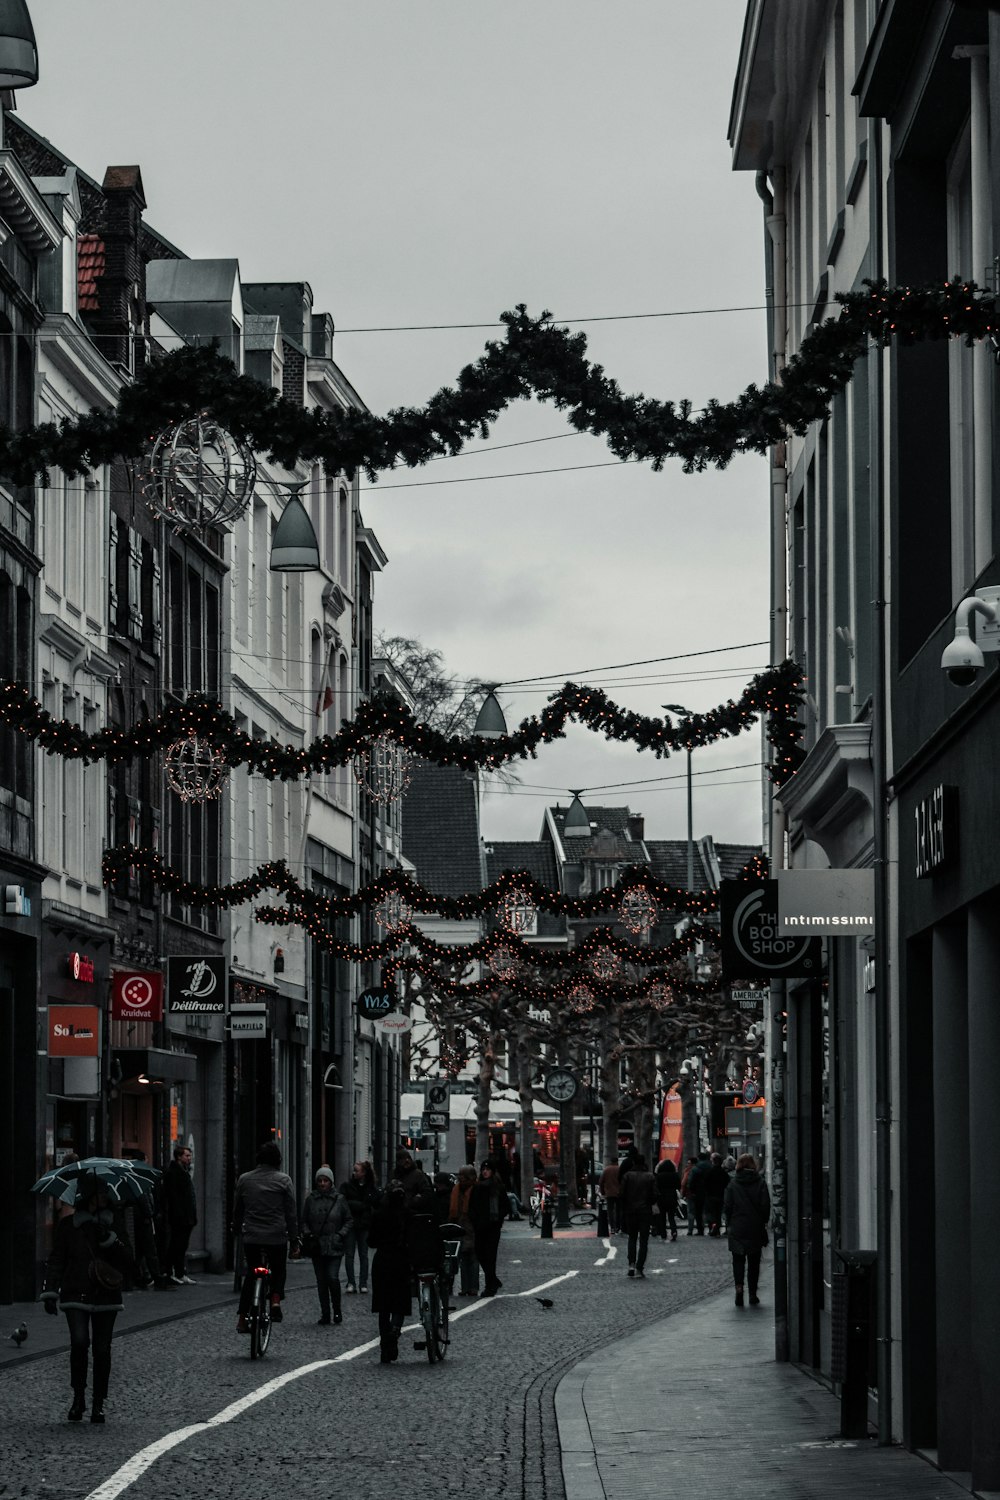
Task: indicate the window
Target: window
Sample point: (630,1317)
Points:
(343,544)
(195,640)
(330,527)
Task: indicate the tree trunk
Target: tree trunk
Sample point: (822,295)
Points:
(689,1118)
(525,1093)
(610,1092)
(484,1094)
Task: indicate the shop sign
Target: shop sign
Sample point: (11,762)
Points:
(747,999)
(393,1024)
(196,985)
(249,1024)
(373,1004)
(752,946)
(826,903)
(16,901)
(935,817)
(81,968)
(73,1031)
(136,995)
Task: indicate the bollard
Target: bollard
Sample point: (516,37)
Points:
(602,1222)
(546,1221)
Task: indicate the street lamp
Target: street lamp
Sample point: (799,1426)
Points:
(577,824)
(294,548)
(490,721)
(678,708)
(18,53)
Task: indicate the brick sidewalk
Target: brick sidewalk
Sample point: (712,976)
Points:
(696,1404)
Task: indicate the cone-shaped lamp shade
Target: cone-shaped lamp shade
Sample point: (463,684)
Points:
(18,53)
(294,548)
(490,723)
(577,824)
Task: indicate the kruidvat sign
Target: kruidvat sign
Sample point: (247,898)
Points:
(826,903)
(752,945)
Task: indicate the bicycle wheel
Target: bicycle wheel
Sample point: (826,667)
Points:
(260,1319)
(442,1320)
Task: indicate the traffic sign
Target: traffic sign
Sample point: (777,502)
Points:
(432,1121)
(437,1095)
(751,1093)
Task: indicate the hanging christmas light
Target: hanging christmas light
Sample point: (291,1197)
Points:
(504,963)
(580,998)
(199,475)
(393,912)
(659,995)
(517,911)
(195,770)
(605,963)
(638,910)
(383,771)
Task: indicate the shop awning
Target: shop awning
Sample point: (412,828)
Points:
(156,1064)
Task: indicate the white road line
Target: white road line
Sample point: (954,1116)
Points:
(612,1252)
(137,1465)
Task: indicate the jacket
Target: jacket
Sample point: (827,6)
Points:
(458,1212)
(610,1183)
(747,1209)
(637,1191)
(328,1217)
(78,1241)
(488,1204)
(716,1182)
(698,1179)
(362,1201)
(264,1207)
(668,1183)
(391,1275)
(178,1192)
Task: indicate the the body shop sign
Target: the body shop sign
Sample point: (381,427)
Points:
(136,995)
(752,944)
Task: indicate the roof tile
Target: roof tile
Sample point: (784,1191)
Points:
(89,270)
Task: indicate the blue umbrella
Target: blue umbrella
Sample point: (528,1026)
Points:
(123,1181)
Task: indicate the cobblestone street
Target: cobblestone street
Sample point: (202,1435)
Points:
(482,1420)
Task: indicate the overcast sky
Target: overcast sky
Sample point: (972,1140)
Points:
(436,163)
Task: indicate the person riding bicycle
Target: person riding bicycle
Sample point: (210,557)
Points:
(264,1215)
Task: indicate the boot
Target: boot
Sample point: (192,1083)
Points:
(739,1296)
(338,1316)
(79,1406)
(97,1409)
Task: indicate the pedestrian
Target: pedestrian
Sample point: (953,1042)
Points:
(443,1184)
(716,1182)
(416,1185)
(458,1213)
(692,1162)
(487,1210)
(362,1194)
(391,1275)
(264,1216)
(84,1278)
(729,1165)
(323,1225)
(668,1186)
(182,1214)
(610,1187)
(637,1212)
(696,1193)
(748,1210)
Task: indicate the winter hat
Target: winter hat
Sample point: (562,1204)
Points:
(324,1172)
(729,1163)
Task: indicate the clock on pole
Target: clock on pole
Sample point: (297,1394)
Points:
(561,1085)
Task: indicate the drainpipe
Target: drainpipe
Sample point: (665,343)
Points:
(777,320)
(981,270)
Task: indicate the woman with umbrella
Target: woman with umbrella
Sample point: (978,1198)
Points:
(83,1279)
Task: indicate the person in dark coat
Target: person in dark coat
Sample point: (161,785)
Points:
(488,1206)
(361,1192)
(748,1209)
(696,1193)
(716,1182)
(182,1214)
(638,1188)
(391,1275)
(326,1216)
(417,1189)
(83,1279)
(668,1186)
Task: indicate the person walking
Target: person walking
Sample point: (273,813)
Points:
(692,1162)
(610,1187)
(264,1216)
(748,1209)
(391,1274)
(458,1212)
(362,1194)
(487,1211)
(637,1211)
(84,1278)
(323,1227)
(696,1193)
(716,1182)
(181,1212)
(668,1186)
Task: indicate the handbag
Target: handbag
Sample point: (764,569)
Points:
(107,1276)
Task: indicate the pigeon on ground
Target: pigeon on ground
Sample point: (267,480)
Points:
(545,1301)
(20,1333)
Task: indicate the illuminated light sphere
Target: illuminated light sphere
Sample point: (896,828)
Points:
(504,963)
(383,771)
(605,963)
(199,475)
(580,998)
(195,770)
(393,912)
(638,911)
(517,911)
(659,995)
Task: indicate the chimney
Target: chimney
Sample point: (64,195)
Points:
(120,322)
(636,827)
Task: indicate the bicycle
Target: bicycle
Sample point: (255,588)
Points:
(433,1295)
(259,1311)
(541,1193)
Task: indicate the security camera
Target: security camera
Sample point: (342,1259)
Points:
(963,657)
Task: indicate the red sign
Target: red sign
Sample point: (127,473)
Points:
(81,967)
(136,995)
(73,1031)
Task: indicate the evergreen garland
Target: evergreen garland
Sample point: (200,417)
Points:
(535,359)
